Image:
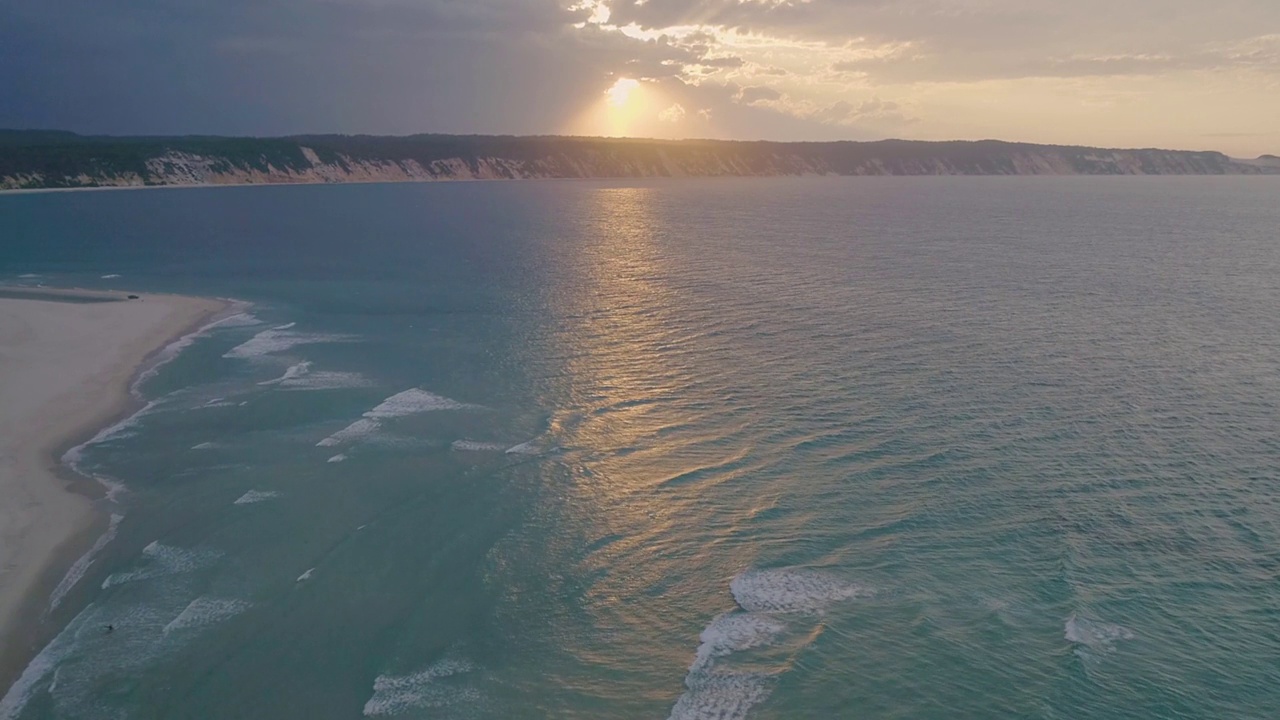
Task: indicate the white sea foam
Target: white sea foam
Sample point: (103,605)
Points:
(29,276)
(305,576)
(240,319)
(791,590)
(171,351)
(111,276)
(40,667)
(476,446)
(770,600)
(430,688)
(412,401)
(256,496)
(1094,634)
(721,697)
(402,404)
(355,431)
(326,380)
(733,632)
(205,446)
(714,692)
(286,326)
(206,611)
(74,457)
(524,448)
(337,458)
(294,372)
(114,488)
(69,674)
(160,560)
(218,402)
(81,566)
(277,340)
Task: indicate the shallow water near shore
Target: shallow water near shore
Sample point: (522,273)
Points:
(775,448)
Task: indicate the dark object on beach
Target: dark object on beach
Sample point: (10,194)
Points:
(133,297)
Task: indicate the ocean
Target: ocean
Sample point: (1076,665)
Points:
(733,448)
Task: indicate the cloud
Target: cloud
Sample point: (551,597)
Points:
(673,114)
(749,95)
(726,61)
(873,112)
(789,69)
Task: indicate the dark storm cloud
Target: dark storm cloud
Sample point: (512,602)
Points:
(241,66)
(529,66)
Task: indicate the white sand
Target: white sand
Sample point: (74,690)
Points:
(65,371)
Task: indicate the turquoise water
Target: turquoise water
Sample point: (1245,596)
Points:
(777,448)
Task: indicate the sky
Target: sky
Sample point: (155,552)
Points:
(1184,74)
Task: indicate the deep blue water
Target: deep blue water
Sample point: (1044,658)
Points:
(768,448)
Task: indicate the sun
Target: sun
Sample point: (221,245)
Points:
(620,91)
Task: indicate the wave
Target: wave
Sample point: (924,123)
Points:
(790,590)
(305,576)
(161,560)
(355,431)
(430,688)
(70,672)
(1094,634)
(524,448)
(300,377)
(78,569)
(40,667)
(477,446)
(326,380)
(340,457)
(771,602)
(74,457)
(722,697)
(277,340)
(168,353)
(293,372)
(733,632)
(255,496)
(402,404)
(205,446)
(111,276)
(206,611)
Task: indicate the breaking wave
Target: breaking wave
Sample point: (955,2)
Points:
(775,606)
(277,340)
(160,560)
(1094,634)
(787,590)
(294,372)
(206,611)
(402,404)
(439,686)
(256,496)
(171,351)
(77,571)
(477,446)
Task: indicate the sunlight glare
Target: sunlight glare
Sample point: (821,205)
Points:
(621,90)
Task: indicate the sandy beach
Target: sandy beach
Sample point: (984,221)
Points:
(66,362)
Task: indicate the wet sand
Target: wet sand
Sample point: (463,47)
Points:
(67,358)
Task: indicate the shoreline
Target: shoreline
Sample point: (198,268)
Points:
(1269,171)
(51,515)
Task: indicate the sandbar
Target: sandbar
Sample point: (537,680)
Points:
(67,359)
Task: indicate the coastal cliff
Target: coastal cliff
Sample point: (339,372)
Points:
(38,159)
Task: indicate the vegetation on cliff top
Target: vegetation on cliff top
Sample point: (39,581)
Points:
(37,158)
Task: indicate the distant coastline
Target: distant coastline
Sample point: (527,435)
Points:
(49,160)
